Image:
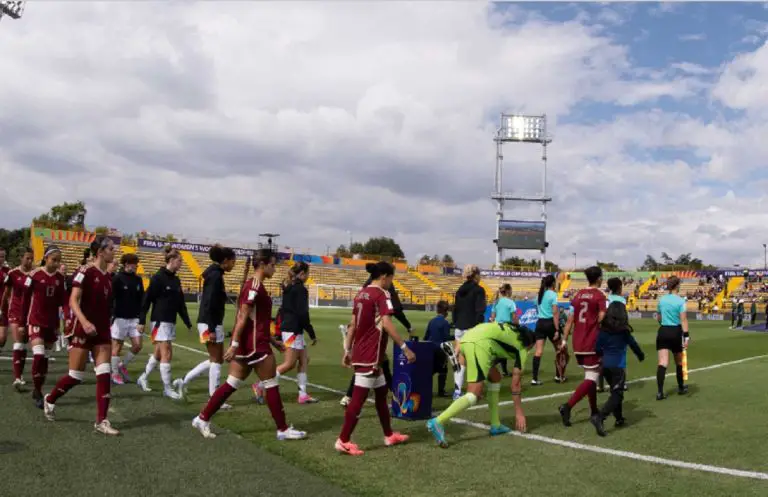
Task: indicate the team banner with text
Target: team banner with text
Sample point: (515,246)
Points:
(197,247)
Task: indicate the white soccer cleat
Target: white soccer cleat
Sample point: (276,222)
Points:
(291,434)
(105,427)
(49,410)
(344,402)
(225,407)
(18,384)
(179,387)
(143,383)
(171,394)
(204,427)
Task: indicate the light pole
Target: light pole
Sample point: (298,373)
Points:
(12,8)
(574,261)
(350,240)
(765,257)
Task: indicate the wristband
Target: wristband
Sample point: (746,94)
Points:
(404,346)
(686,335)
(235,344)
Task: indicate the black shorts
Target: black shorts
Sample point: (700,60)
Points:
(545,329)
(670,338)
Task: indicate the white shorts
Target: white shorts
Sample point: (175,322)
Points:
(458,334)
(293,341)
(125,328)
(206,336)
(163,332)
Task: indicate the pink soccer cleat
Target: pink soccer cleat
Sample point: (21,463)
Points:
(348,448)
(395,439)
(307,399)
(124,373)
(117,379)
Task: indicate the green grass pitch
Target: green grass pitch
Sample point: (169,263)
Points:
(721,423)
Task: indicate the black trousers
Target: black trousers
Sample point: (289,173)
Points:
(385,368)
(440,367)
(616,378)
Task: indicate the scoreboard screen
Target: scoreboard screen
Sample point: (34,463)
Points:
(522,235)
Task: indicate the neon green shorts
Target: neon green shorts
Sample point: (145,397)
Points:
(479,362)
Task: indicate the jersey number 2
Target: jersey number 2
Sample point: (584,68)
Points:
(583,312)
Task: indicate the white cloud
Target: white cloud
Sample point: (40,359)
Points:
(693,37)
(310,119)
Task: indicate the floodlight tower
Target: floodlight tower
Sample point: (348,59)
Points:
(12,8)
(271,242)
(518,128)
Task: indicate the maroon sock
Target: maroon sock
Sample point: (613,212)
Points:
(64,385)
(581,391)
(216,401)
(275,404)
(103,396)
(383,410)
(38,373)
(17,367)
(352,414)
(44,367)
(22,361)
(592,395)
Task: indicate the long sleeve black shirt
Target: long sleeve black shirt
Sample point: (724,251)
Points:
(469,307)
(166,298)
(214,298)
(128,292)
(295,310)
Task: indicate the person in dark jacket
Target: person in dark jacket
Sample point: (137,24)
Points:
(294,321)
(128,296)
(210,320)
(166,298)
(468,312)
(615,336)
(439,332)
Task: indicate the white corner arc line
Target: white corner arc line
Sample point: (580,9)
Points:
(638,380)
(707,468)
(755,475)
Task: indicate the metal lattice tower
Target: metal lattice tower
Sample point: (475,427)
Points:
(12,8)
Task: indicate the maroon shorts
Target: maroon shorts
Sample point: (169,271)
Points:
(79,339)
(14,318)
(589,361)
(251,353)
(47,335)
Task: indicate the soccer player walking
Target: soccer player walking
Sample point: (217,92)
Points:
(672,336)
(251,350)
(589,305)
(210,320)
(365,347)
(482,347)
(468,311)
(4,270)
(45,294)
(548,324)
(91,303)
(166,298)
(13,300)
(615,336)
(128,289)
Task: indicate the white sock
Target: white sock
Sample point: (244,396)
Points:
(128,357)
(214,376)
(165,374)
(302,380)
(197,371)
(115,363)
(151,364)
(458,378)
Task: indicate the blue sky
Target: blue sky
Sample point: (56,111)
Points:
(217,121)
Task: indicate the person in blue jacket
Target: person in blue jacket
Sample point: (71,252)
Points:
(615,336)
(439,332)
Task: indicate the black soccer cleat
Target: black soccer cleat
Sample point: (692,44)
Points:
(37,397)
(661,396)
(565,414)
(621,422)
(597,422)
(683,390)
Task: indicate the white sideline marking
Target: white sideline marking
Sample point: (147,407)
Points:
(638,380)
(755,475)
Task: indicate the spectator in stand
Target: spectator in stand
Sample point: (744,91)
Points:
(753,313)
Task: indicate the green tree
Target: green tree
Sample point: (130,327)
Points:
(608,266)
(101,230)
(342,251)
(356,248)
(15,242)
(66,216)
(383,246)
(447,259)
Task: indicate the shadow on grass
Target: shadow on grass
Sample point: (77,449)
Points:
(10,447)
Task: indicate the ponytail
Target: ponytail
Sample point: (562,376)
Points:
(379,269)
(86,256)
(547,282)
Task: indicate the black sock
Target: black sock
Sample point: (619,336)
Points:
(679,372)
(661,372)
(536,363)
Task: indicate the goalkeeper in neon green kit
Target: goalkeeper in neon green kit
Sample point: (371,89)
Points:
(482,347)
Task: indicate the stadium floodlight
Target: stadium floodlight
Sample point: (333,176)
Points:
(12,8)
(520,128)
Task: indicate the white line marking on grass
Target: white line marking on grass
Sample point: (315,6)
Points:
(638,380)
(756,475)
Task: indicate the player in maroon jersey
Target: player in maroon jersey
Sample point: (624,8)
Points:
(251,349)
(13,300)
(589,306)
(4,269)
(46,294)
(365,349)
(91,303)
